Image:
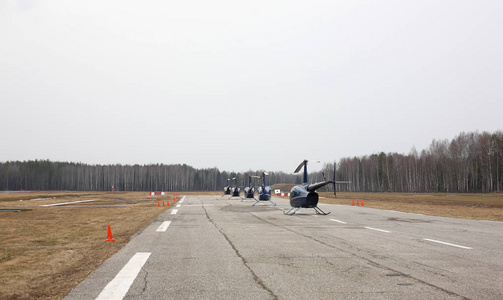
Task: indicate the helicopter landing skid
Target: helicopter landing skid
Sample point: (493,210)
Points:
(257,201)
(316,209)
(293,213)
(320,212)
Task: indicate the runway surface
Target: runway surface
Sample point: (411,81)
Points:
(219,248)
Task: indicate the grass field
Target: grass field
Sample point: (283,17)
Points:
(47,250)
(467,206)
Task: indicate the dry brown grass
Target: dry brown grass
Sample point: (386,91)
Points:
(46,251)
(467,206)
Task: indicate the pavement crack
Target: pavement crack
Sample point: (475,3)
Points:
(369,261)
(245,262)
(145,282)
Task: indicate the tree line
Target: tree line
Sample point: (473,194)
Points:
(471,162)
(48,175)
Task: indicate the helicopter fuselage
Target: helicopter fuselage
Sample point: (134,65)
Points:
(305,195)
(249,192)
(227,190)
(264,193)
(301,197)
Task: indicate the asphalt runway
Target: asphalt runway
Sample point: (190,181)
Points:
(219,248)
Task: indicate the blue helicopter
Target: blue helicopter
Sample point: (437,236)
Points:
(305,196)
(264,192)
(235,190)
(250,189)
(227,189)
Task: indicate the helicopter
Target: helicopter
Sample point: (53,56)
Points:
(305,196)
(250,190)
(264,191)
(227,189)
(235,190)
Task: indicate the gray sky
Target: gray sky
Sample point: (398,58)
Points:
(244,85)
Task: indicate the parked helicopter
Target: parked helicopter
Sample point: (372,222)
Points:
(250,189)
(305,196)
(264,191)
(227,189)
(235,190)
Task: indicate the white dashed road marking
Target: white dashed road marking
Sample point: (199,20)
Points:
(448,244)
(174,211)
(376,229)
(119,286)
(163,226)
(342,222)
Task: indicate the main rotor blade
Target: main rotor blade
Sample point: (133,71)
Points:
(301,165)
(304,163)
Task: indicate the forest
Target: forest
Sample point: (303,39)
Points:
(469,163)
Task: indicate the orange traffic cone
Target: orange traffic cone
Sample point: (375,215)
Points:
(357,204)
(163,203)
(362,202)
(168,202)
(353,203)
(109,235)
(158,204)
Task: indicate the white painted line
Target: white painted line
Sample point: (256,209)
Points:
(178,205)
(183,199)
(342,222)
(66,203)
(376,229)
(499,222)
(448,244)
(163,226)
(174,211)
(119,286)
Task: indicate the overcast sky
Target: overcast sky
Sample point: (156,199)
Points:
(243,85)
